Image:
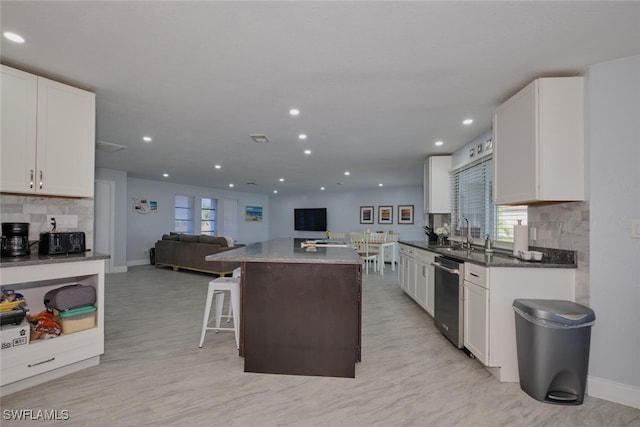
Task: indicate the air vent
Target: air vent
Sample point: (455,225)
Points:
(109,147)
(259,138)
(251,183)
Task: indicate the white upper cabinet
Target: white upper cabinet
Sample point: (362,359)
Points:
(437,194)
(48,136)
(538,143)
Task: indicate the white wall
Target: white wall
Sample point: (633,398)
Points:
(343,211)
(144,230)
(120,215)
(613,90)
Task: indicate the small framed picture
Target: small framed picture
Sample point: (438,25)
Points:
(366,214)
(253,213)
(405,214)
(385,214)
(489,144)
(479,148)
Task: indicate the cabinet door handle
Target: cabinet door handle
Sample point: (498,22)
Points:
(31,179)
(31,365)
(40,180)
(473,274)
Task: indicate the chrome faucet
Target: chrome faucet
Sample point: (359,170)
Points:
(468,240)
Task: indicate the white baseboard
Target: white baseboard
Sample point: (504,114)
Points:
(120,269)
(135,262)
(623,394)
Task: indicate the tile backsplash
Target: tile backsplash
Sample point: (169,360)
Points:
(565,226)
(34,210)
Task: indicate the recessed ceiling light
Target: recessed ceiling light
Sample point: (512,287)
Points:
(166,175)
(281,180)
(322,188)
(380,185)
(147,139)
(307,152)
(294,112)
(347,173)
(302,136)
(217,166)
(467,121)
(438,143)
(230,185)
(275,191)
(16,38)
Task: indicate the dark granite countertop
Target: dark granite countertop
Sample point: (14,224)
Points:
(37,259)
(552,258)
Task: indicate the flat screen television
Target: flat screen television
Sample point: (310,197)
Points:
(310,219)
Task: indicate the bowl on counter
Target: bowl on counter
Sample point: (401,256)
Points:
(536,256)
(530,255)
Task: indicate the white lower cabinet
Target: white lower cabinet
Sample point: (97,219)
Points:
(43,360)
(489,319)
(416,275)
(476,312)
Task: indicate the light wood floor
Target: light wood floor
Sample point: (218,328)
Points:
(153,374)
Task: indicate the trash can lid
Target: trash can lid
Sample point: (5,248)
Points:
(560,311)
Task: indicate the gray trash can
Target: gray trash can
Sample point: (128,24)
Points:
(553,338)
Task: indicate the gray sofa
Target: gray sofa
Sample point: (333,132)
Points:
(187,251)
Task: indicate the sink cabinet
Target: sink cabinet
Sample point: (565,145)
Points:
(48,136)
(416,276)
(489,319)
(437,194)
(538,143)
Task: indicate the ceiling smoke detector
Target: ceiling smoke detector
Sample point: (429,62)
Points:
(259,138)
(109,147)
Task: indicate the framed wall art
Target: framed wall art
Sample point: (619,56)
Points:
(385,214)
(366,214)
(405,214)
(253,213)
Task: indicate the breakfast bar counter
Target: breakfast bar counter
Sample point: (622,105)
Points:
(300,308)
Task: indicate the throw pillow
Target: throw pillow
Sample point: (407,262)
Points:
(188,238)
(170,237)
(230,242)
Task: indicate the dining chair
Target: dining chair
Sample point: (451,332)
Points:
(367,255)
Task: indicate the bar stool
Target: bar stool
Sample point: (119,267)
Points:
(216,290)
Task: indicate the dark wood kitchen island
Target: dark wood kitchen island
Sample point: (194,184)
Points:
(300,309)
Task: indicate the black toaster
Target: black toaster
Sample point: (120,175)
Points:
(54,243)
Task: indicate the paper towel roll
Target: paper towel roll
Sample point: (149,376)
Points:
(520,238)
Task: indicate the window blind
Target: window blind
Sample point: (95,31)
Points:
(472,194)
(208,216)
(183,214)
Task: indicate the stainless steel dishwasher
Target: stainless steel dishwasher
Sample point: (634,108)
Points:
(448,308)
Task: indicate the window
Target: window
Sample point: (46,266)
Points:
(472,191)
(184,214)
(208,217)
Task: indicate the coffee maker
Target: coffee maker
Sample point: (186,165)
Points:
(15,239)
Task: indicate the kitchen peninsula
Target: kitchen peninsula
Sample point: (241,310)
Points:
(300,308)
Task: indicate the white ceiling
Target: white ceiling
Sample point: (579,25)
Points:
(377,83)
